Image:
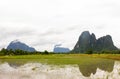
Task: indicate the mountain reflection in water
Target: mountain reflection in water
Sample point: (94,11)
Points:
(107,69)
(87,69)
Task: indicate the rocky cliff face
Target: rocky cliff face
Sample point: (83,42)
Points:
(61,50)
(105,43)
(14,45)
(88,41)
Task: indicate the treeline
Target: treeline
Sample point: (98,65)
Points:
(20,52)
(4,52)
(103,52)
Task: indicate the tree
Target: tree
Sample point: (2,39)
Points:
(4,51)
(46,52)
(89,52)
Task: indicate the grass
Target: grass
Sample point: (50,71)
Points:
(60,58)
(87,63)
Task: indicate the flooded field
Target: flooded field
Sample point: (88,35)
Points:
(109,70)
(60,66)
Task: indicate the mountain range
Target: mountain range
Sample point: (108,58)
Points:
(85,42)
(88,41)
(14,45)
(58,49)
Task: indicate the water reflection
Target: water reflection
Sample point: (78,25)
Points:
(107,69)
(90,68)
(14,64)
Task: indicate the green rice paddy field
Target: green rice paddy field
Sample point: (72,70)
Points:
(62,59)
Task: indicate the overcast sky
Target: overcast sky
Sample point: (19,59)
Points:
(45,23)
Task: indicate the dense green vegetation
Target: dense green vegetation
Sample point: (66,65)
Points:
(103,52)
(10,52)
(4,52)
(20,56)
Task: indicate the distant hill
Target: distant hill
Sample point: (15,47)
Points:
(60,49)
(14,45)
(88,41)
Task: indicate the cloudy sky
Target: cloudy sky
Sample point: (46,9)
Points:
(45,23)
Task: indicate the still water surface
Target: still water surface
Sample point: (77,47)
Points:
(104,70)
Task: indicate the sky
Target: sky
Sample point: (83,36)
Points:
(43,24)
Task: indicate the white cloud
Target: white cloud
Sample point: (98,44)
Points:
(44,23)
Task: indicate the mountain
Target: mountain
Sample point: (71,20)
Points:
(105,43)
(88,41)
(14,45)
(60,49)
